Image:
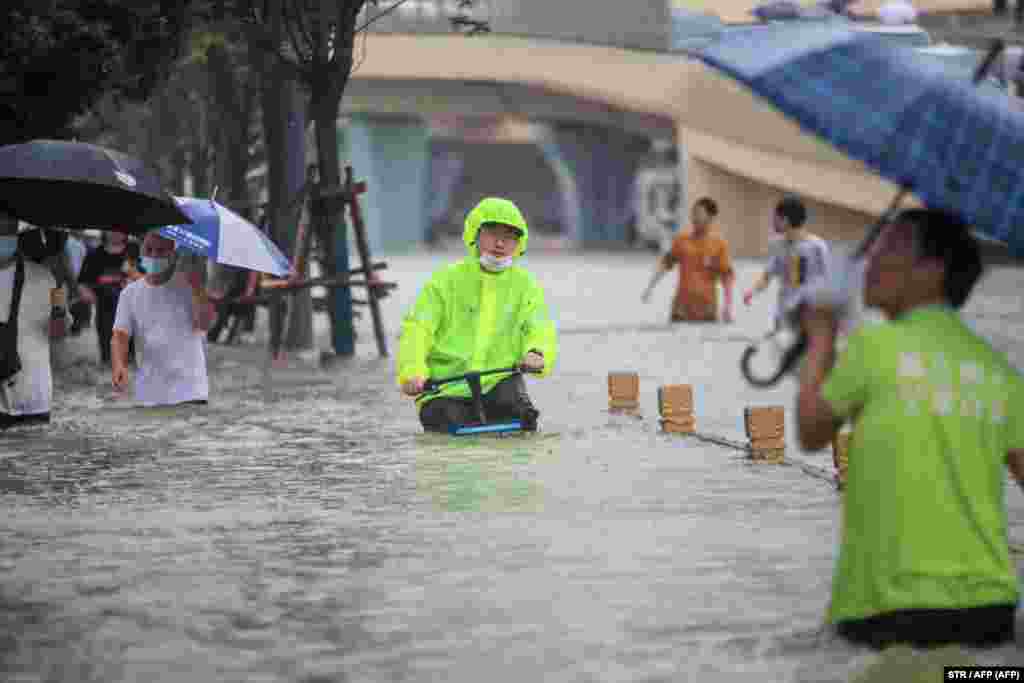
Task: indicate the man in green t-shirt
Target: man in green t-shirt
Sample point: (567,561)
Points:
(937,415)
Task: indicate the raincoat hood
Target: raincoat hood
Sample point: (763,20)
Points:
(494,210)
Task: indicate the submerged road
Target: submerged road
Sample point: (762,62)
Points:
(308,531)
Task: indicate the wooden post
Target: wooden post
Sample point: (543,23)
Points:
(353,190)
(766,429)
(623,392)
(675,405)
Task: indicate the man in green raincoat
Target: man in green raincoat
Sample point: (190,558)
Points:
(479,313)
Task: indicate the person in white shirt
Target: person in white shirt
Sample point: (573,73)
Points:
(799,260)
(168,317)
(26,385)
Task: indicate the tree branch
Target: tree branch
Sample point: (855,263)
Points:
(294,40)
(259,38)
(380,15)
(300,23)
(475,25)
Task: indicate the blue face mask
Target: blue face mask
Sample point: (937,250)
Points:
(8,246)
(155,266)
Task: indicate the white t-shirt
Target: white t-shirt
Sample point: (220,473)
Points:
(171,353)
(797,264)
(29,392)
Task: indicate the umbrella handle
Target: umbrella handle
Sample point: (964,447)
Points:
(789,359)
(985,66)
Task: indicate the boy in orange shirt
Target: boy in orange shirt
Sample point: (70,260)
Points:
(704,261)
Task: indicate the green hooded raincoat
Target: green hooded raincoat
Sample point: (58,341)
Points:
(466,318)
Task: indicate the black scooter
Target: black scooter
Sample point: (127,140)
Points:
(433,386)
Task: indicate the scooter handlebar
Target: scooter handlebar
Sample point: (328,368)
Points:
(433,385)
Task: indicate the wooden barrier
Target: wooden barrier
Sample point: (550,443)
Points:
(623,392)
(675,406)
(766,431)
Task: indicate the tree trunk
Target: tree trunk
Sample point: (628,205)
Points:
(300,322)
(234,116)
(332,232)
(271,82)
(198,162)
(178,166)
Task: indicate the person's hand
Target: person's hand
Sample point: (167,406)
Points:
(194,279)
(748,296)
(818,321)
(533,361)
(86,294)
(727,315)
(203,311)
(414,386)
(119,377)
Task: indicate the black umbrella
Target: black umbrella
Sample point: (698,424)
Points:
(59,183)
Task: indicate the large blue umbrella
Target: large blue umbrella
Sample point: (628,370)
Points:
(223,236)
(957,146)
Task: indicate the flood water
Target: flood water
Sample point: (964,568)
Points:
(307,530)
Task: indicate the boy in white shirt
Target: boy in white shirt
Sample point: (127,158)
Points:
(800,258)
(168,318)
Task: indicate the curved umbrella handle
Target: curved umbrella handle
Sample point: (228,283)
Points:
(994,50)
(789,359)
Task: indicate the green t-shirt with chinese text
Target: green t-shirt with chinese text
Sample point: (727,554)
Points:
(935,410)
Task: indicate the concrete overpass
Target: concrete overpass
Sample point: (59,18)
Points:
(731,145)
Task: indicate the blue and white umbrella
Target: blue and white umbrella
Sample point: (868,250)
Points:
(222,235)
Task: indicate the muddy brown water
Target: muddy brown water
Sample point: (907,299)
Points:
(308,531)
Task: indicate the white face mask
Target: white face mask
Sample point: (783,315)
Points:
(495,264)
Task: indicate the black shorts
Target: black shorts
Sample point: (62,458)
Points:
(987,626)
(507,400)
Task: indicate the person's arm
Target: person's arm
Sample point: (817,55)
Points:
(124,327)
(760,284)
(204,312)
(417,338)
(727,286)
(541,335)
(665,263)
(773,270)
(728,277)
(1015,435)
(816,422)
(119,344)
(1015,461)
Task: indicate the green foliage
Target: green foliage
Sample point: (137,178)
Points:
(57,57)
